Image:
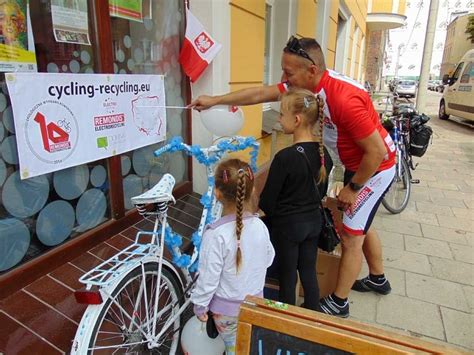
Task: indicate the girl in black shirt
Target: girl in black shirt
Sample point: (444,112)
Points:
(289,198)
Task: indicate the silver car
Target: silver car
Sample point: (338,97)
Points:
(406,88)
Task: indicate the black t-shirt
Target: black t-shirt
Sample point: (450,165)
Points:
(289,194)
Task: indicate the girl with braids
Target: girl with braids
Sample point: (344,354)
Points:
(235,253)
(289,198)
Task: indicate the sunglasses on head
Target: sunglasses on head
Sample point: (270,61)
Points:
(293,46)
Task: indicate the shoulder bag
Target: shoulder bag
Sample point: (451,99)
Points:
(329,238)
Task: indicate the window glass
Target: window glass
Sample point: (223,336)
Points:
(457,72)
(151,46)
(467,73)
(39,213)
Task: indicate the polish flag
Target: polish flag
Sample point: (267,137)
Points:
(199,48)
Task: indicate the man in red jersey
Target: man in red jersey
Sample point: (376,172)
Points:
(352,130)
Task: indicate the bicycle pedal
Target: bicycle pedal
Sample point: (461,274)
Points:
(415,181)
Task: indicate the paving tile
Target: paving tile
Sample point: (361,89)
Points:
(392,225)
(428,246)
(57,296)
(417,216)
(463,212)
(451,270)
(469,294)
(405,260)
(401,312)
(459,327)
(119,241)
(363,306)
(41,319)
(104,251)
(69,275)
(469,203)
(391,239)
(16,339)
(86,261)
(434,208)
(463,253)
(451,202)
(456,223)
(130,232)
(440,292)
(420,196)
(443,185)
(446,234)
(457,195)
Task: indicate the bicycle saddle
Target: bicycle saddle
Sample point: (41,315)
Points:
(161,192)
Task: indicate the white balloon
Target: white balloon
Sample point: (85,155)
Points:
(223,120)
(194,339)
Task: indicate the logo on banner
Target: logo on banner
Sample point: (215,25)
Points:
(51,131)
(203,42)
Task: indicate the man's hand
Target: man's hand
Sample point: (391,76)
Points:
(203,318)
(347,198)
(203,102)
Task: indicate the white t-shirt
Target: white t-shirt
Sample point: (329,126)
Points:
(219,287)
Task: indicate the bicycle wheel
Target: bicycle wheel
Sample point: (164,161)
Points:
(114,332)
(398,194)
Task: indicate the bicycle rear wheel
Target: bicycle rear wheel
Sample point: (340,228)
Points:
(114,332)
(398,194)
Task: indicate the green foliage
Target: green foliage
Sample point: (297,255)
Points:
(470,28)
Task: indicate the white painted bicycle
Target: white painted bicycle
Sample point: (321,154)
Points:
(137,298)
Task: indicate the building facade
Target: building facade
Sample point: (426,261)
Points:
(253,34)
(457,43)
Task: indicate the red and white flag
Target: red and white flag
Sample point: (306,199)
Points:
(199,48)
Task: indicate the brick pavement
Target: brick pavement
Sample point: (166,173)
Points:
(428,248)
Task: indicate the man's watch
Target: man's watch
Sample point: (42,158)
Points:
(354,186)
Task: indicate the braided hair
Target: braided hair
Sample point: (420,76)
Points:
(234,179)
(311,108)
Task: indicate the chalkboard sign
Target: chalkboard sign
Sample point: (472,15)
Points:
(265,342)
(267,327)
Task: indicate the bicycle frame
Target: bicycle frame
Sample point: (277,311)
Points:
(111,272)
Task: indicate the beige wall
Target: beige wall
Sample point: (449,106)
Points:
(306,23)
(456,44)
(247,27)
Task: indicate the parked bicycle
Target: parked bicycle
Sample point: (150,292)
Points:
(411,137)
(137,299)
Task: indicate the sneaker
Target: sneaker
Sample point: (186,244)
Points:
(329,306)
(366,285)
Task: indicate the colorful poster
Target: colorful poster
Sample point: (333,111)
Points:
(70,21)
(65,120)
(127,9)
(17,48)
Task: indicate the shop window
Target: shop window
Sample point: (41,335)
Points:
(45,211)
(151,46)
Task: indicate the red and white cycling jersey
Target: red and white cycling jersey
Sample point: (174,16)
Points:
(350,116)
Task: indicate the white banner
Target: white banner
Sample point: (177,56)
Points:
(64,120)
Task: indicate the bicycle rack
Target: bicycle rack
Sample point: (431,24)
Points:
(118,265)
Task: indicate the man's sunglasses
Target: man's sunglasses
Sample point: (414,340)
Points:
(293,46)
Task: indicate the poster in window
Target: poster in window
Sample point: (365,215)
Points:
(127,9)
(70,21)
(64,120)
(17,51)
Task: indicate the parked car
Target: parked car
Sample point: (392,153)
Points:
(406,88)
(457,96)
(433,85)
